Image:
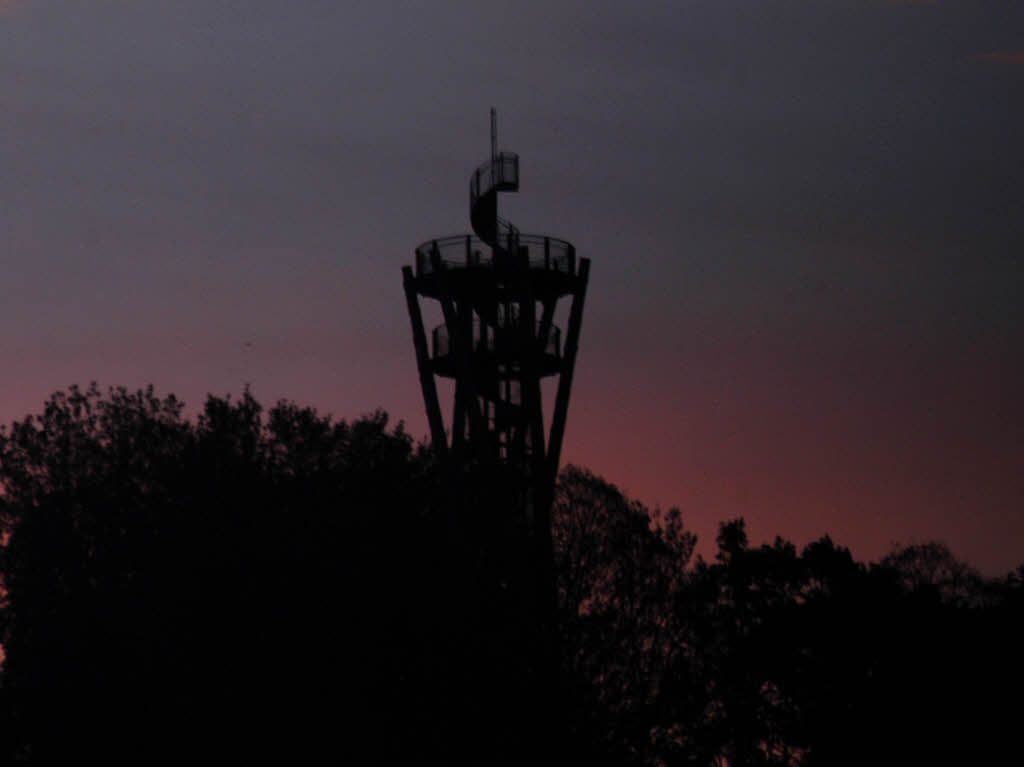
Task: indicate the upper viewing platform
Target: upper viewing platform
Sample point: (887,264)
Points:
(465,251)
(549,262)
(498,254)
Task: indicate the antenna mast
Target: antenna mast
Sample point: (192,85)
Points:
(494,136)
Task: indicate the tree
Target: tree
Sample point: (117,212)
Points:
(929,570)
(176,587)
(254,585)
(621,570)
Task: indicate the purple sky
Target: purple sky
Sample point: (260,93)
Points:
(806,222)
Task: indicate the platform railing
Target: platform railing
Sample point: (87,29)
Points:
(489,338)
(469,251)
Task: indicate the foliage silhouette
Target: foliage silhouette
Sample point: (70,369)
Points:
(176,587)
(278,586)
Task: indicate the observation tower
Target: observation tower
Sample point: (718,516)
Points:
(499,292)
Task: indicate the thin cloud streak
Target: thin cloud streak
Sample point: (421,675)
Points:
(1012,58)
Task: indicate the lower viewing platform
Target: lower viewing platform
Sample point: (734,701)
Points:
(493,345)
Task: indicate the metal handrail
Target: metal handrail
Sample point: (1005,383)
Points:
(504,169)
(493,338)
(469,251)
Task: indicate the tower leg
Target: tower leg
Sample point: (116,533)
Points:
(419,340)
(462,350)
(568,361)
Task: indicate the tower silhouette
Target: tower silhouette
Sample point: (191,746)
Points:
(499,291)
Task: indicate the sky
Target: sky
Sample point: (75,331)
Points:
(805,220)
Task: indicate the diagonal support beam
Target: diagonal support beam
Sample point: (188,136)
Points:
(568,364)
(419,341)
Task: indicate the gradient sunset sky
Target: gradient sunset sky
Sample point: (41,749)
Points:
(805,217)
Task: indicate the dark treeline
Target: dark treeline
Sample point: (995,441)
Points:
(275,586)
